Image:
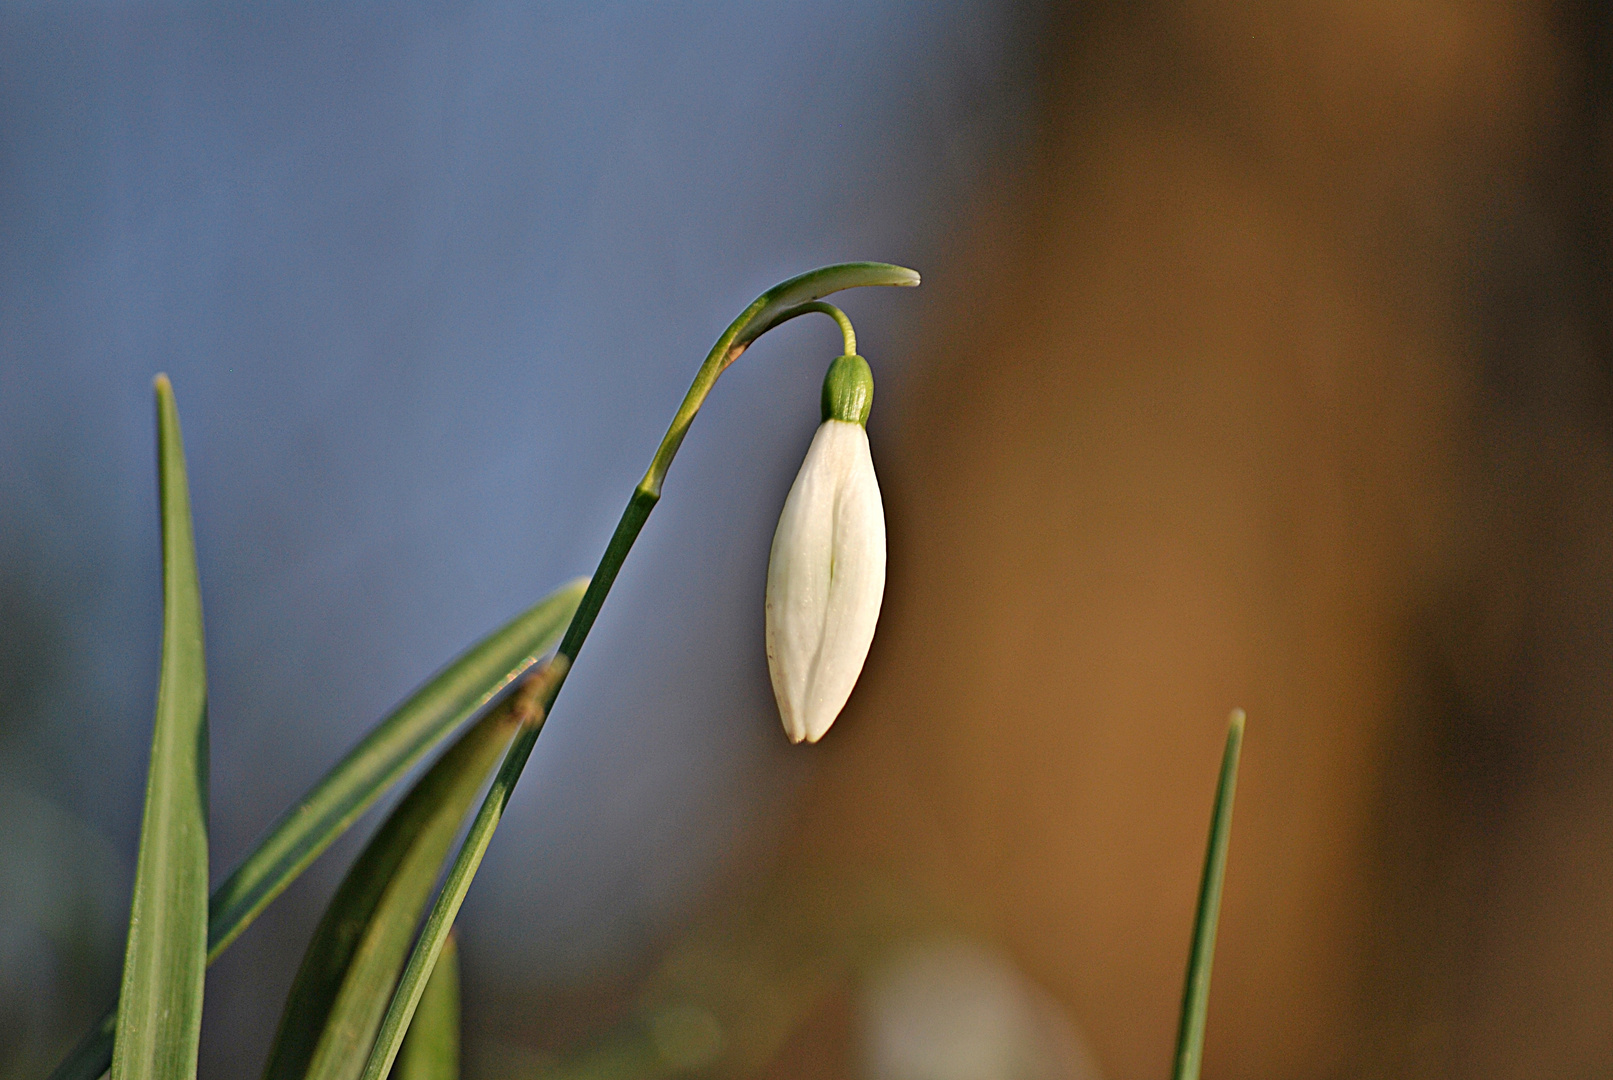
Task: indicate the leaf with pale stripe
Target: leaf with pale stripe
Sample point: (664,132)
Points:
(351,965)
(530,704)
(165,959)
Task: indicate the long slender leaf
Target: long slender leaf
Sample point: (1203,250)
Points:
(352,963)
(353,784)
(382,757)
(165,959)
(536,689)
(1196,995)
(431,1049)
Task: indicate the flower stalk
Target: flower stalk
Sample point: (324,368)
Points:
(792,298)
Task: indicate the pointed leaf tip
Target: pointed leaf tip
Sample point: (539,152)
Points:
(1196,994)
(165,958)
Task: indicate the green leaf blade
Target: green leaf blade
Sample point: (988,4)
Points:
(431,1049)
(165,959)
(1196,994)
(530,703)
(354,783)
(382,757)
(352,963)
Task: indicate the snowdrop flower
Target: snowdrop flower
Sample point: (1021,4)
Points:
(826,574)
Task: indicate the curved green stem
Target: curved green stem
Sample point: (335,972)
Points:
(781,303)
(847,334)
(797,296)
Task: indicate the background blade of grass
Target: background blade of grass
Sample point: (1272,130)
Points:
(1196,995)
(351,964)
(160,1023)
(431,1049)
(353,784)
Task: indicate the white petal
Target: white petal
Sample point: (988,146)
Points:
(825,580)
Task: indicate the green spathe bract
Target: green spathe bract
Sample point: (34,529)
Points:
(165,960)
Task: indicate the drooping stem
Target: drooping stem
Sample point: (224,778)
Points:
(847,334)
(798,296)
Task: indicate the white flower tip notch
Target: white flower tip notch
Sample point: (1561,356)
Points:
(826,574)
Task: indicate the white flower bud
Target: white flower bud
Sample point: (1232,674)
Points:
(826,575)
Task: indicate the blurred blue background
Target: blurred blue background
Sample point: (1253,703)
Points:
(429,281)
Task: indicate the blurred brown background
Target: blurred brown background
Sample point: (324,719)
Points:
(1279,380)
(1282,383)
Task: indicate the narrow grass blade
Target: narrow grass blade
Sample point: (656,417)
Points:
(1196,996)
(165,959)
(353,784)
(352,963)
(538,688)
(431,1049)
